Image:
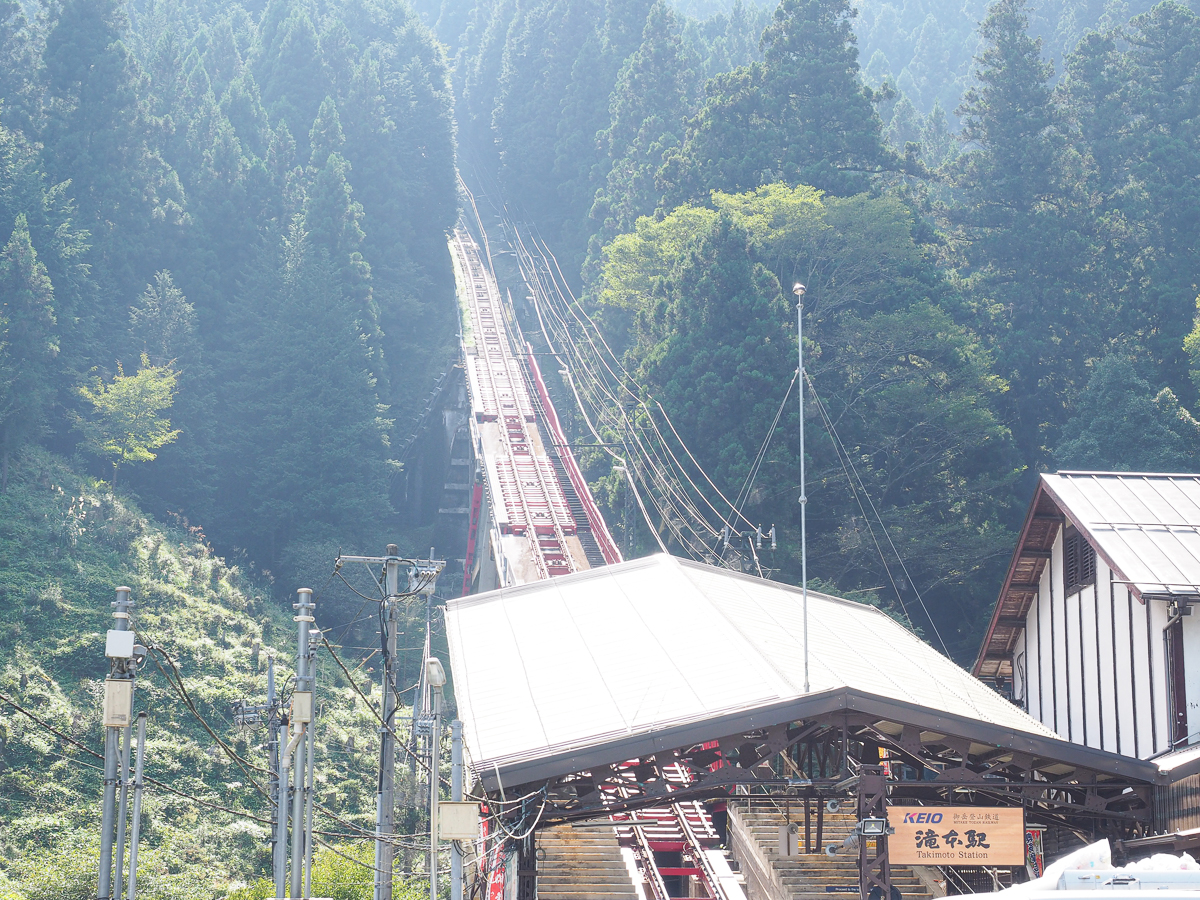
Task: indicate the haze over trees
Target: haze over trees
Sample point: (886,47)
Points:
(995,222)
(242,208)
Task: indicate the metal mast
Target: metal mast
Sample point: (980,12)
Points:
(798,289)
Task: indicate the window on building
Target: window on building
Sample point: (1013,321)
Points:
(1079,561)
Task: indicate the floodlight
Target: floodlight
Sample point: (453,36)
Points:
(872,825)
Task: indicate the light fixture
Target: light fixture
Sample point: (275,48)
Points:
(434,672)
(873,825)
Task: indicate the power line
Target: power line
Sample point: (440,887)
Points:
(838,444)
(19,708)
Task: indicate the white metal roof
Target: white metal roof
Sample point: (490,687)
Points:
(1146,526)
(644,647)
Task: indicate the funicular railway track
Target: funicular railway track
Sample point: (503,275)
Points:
(525,493)
(547,524)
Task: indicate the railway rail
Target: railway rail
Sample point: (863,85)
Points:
(545,523)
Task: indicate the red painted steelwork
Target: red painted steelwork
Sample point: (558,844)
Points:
(472,535)
(599,527)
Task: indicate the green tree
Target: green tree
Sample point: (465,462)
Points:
(910,391)
(1121,424)
(124,423)
(1020,218)
(653,95)
(302,439)
(164,321)
(28,345)
(97,137)
(802,115)
(288,65)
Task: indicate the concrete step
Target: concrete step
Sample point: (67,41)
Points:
(582,864)
(806,876)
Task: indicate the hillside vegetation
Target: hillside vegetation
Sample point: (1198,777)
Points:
(225,292)
(66,542)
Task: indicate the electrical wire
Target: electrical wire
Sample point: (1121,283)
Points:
(244,765)
(371,706)
(744,493)
(19,708)
(838,444)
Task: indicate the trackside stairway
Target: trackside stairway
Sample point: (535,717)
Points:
(754,838)
(582,864)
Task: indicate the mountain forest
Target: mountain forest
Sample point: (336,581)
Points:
(225,295)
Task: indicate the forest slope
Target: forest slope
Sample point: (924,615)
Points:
(66,543)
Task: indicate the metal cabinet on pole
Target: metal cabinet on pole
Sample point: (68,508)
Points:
(124,655)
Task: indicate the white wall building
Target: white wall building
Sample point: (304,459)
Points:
(1094,631)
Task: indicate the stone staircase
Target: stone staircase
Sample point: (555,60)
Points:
(582,864)
(754,840)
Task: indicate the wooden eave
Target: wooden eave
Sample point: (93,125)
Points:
(1047,514)
(1020,588)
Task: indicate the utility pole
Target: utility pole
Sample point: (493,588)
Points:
(279,858)
(385,796)
(138,783)
(278,825)
(302,709)
(456,795)
(385,802)
(247,715)
(799,290)
(124,655)
(436,676)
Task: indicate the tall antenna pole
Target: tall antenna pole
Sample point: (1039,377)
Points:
(798,289)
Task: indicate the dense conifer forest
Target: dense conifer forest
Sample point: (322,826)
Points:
(225,292)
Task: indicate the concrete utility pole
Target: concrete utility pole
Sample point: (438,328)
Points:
(278,825)
(302,710)
(279,859)
(456,795)
(799,290)
(424,574)
(136,828)
(269,714)
(436,676)
(299,725)
(385,801)
(123,654)
(385,796)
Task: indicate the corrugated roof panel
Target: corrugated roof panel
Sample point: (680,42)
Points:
(1144,523)
(637,646)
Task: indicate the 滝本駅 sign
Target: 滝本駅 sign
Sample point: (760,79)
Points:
(957,835)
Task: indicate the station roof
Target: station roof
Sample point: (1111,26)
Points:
(656,653)
(1146,528)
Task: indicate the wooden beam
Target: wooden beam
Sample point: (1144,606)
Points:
(1011,621)
(1030,553)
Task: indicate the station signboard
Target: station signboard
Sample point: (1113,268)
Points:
(957,835)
